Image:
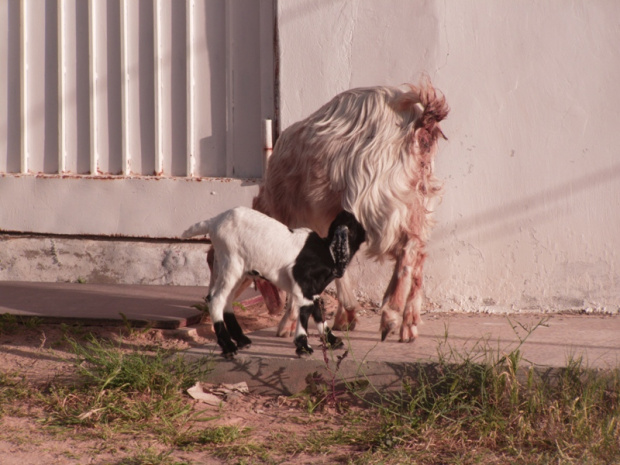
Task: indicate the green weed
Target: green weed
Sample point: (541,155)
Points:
(211,436)
(471,406)
(126,390)
(13,388)
(150,456)
(10,324)
(503,407)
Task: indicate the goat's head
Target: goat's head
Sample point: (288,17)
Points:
(426,128)
(424,108)
(345,237)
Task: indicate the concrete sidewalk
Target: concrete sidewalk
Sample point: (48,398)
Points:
(270,365)
(164,307)
(545,341)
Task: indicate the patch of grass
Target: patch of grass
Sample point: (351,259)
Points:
(10,324)
(211,436)
(126,390)
(106,365)
(481,407)
(246,452)
(13,389)
(474,406)
(150,456)
(229,443)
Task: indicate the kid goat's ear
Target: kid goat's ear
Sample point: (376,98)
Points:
(340,250)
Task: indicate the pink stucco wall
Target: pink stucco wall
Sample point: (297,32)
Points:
(531,211)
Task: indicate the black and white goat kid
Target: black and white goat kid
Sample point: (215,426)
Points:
(249,244)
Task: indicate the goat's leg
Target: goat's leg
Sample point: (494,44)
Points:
(232,325)
(301,333)
(216,309)
(287,324)
(273,297)
(318,313)
(346,314)
(213,266)
(212,262)
(317,310)
(413,307)
(235,330)
(220,302)
(243,286)
(397,292)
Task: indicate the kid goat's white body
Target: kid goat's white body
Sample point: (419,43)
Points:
(247,243)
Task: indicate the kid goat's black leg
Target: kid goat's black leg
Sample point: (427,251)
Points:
(318,313)
(229,348)
(301,340)
(235,330)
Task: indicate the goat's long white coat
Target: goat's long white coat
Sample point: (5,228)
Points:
(368,151)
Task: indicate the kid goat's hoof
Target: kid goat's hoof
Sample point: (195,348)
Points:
(302,346)
(331,341)
(304,352)
(244,342)
(229,349)
(229,355)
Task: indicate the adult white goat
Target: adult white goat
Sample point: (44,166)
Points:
(369,151)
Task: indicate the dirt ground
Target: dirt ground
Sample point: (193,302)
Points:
(40,355)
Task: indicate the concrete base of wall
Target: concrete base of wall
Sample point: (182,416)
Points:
(54,259)
(106,261)
(102,261)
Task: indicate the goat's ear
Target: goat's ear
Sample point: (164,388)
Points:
(423,141)
(340,250)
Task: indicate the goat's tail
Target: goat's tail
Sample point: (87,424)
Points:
(198,229)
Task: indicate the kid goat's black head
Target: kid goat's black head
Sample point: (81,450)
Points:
(345,237)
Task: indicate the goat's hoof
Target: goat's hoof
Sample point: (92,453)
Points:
(408,333)
(244,342)
(391,327)
(331,341)
(346,321)
(335,344)
(286,328)
(304,352)
(229,355)
(229,350)
(302,346)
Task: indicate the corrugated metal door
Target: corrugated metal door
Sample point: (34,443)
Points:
(129,91)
